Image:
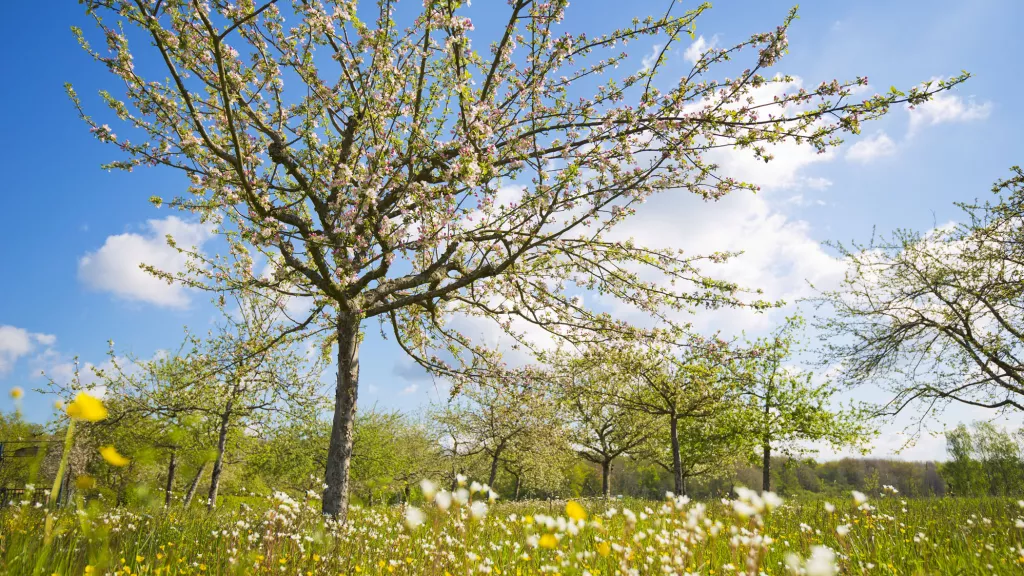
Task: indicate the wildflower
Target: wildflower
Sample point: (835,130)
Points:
(843,529)
(111,455)
(822,562)
(429,489)
(830,507)
(604,549)
(478,510)
(575,511)
(17,392)
(414,517)
(859,497)
(85,482)
(443,500)
(86,407)
(460,479)
(548,541)
(771,500)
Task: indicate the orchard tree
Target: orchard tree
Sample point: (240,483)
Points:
(237,379)
(676,386)
(399,173)
(785,405)
(937,317)
(508,413)
(599,431)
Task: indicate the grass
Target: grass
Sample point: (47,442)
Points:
(278,535)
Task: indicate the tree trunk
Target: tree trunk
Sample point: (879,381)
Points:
(606,473)
(339,453)
(494,467)
(172,467)
(519,484)
(677,461)
(766,468)
(218,464)
(195,484)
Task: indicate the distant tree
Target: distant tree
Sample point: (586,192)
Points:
(505,414)
(690,395)
(937,317)
(375,179)
(600,431)
(786,406)
(238,379)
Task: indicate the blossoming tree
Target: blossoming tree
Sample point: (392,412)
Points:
(398,173)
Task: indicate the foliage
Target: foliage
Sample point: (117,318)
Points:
(984,461)
(786,407)
(936,317)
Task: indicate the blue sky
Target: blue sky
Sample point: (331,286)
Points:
(72,234)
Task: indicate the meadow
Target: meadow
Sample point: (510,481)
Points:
(470,532)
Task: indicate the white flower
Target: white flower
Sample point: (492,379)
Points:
(822,562)
(829,507)
(1019,523)
(475,487)
(859,497)
(771,500)
(443,499)
(843,529)
(414,517)
(461,479)
(461,496)
(478,510)
(742,509)
(428,488)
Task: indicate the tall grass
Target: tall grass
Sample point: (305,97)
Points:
(278,535)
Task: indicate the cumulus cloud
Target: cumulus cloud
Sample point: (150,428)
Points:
(869,149)
(947,107)
(17,342)
(650,59)
(410,389)
(115,268)
(698,47)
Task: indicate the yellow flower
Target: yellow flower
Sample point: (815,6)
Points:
(548,541)
(17,392)
(86,407)
(112,457)
(139,558)
(85,482)
(604,549)
(575,511)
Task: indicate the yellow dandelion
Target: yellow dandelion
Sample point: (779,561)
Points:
(86,407)
(111,455)
(139,558)
(604,549)
(548,541)
(17,392)
(575,511)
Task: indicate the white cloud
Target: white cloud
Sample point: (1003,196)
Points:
(410,389)
(947,107)
(650,59)
(868,149)
(17,342)
(779,254)
(698,47)
(115,266)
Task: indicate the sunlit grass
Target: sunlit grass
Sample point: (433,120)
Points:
(280,535)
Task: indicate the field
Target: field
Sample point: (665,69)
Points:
(456,534)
